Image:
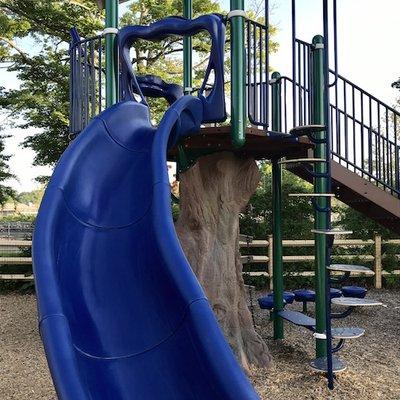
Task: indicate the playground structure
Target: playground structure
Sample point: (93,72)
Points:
(94,341)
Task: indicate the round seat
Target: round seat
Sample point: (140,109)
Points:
(309,295)
(354,291)
(287,296)
(304,295)
(335,293)
(267,302)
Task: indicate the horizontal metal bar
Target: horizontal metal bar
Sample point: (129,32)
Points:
(341,77)
(82,41)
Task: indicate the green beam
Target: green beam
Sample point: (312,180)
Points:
(277,212)
(182,162)
(187,50)
(238,80)
(111,53)
(320,186)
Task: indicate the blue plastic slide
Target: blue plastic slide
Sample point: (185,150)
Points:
(121,314)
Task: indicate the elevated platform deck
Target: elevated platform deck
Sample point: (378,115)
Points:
(258,144)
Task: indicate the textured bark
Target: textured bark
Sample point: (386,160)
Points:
(212,194)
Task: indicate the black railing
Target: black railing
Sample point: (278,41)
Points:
(365,134)
(257,73)
(364,130)
(87,81)
(301,92)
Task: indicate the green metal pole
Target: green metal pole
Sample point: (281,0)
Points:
(187,50)
(277,212)
(320,186)
(182,162)
(111,53)
(238,81)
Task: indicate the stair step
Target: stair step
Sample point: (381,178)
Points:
(355,302)
(306,130)
(321,365)
(350,268)
(342,333)
(332,231)
(279,135)
(297,318)
(302,160)
(311,195)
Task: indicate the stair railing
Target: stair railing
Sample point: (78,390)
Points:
(87,81)
(257,73)
(365,130)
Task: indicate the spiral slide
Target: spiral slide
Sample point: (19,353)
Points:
(122,316)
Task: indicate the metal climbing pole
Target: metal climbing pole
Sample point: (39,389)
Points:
(277,211)
(238,80)
(320,187)
(328,128)
(111,7)
(187,50)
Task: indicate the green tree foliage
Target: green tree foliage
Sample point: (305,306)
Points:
(34,36)
(297,213)
(42,67)
(5,174)
(33,197)
(362,227)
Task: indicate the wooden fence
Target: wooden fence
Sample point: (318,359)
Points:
(14,246)
(377,257)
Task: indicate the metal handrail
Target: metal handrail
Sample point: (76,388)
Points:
(364,129)
(86,81)
(257,73)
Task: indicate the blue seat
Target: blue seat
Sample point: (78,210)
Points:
(287,296)
(304,295)
(354,291)
(267,302)
(335,293)
(309,295)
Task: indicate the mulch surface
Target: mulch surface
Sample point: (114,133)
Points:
(373,360)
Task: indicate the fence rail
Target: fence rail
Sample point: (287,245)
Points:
(13,256)
(378,257)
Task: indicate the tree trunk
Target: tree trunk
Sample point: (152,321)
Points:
(212,194)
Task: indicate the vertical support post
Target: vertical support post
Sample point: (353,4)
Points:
(277,211)
(238,77)
(187,50)
(378,262)
(111,53)
(271,261)
(181,159)
(320,186)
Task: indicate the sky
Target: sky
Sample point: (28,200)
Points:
(367,32)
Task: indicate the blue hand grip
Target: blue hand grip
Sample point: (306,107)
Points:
(214,102)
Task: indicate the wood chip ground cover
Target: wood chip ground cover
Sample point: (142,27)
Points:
(373,360)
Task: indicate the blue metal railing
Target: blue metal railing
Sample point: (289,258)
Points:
(87,81)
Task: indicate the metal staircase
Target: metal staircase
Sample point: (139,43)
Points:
(365,143)
(355,158)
